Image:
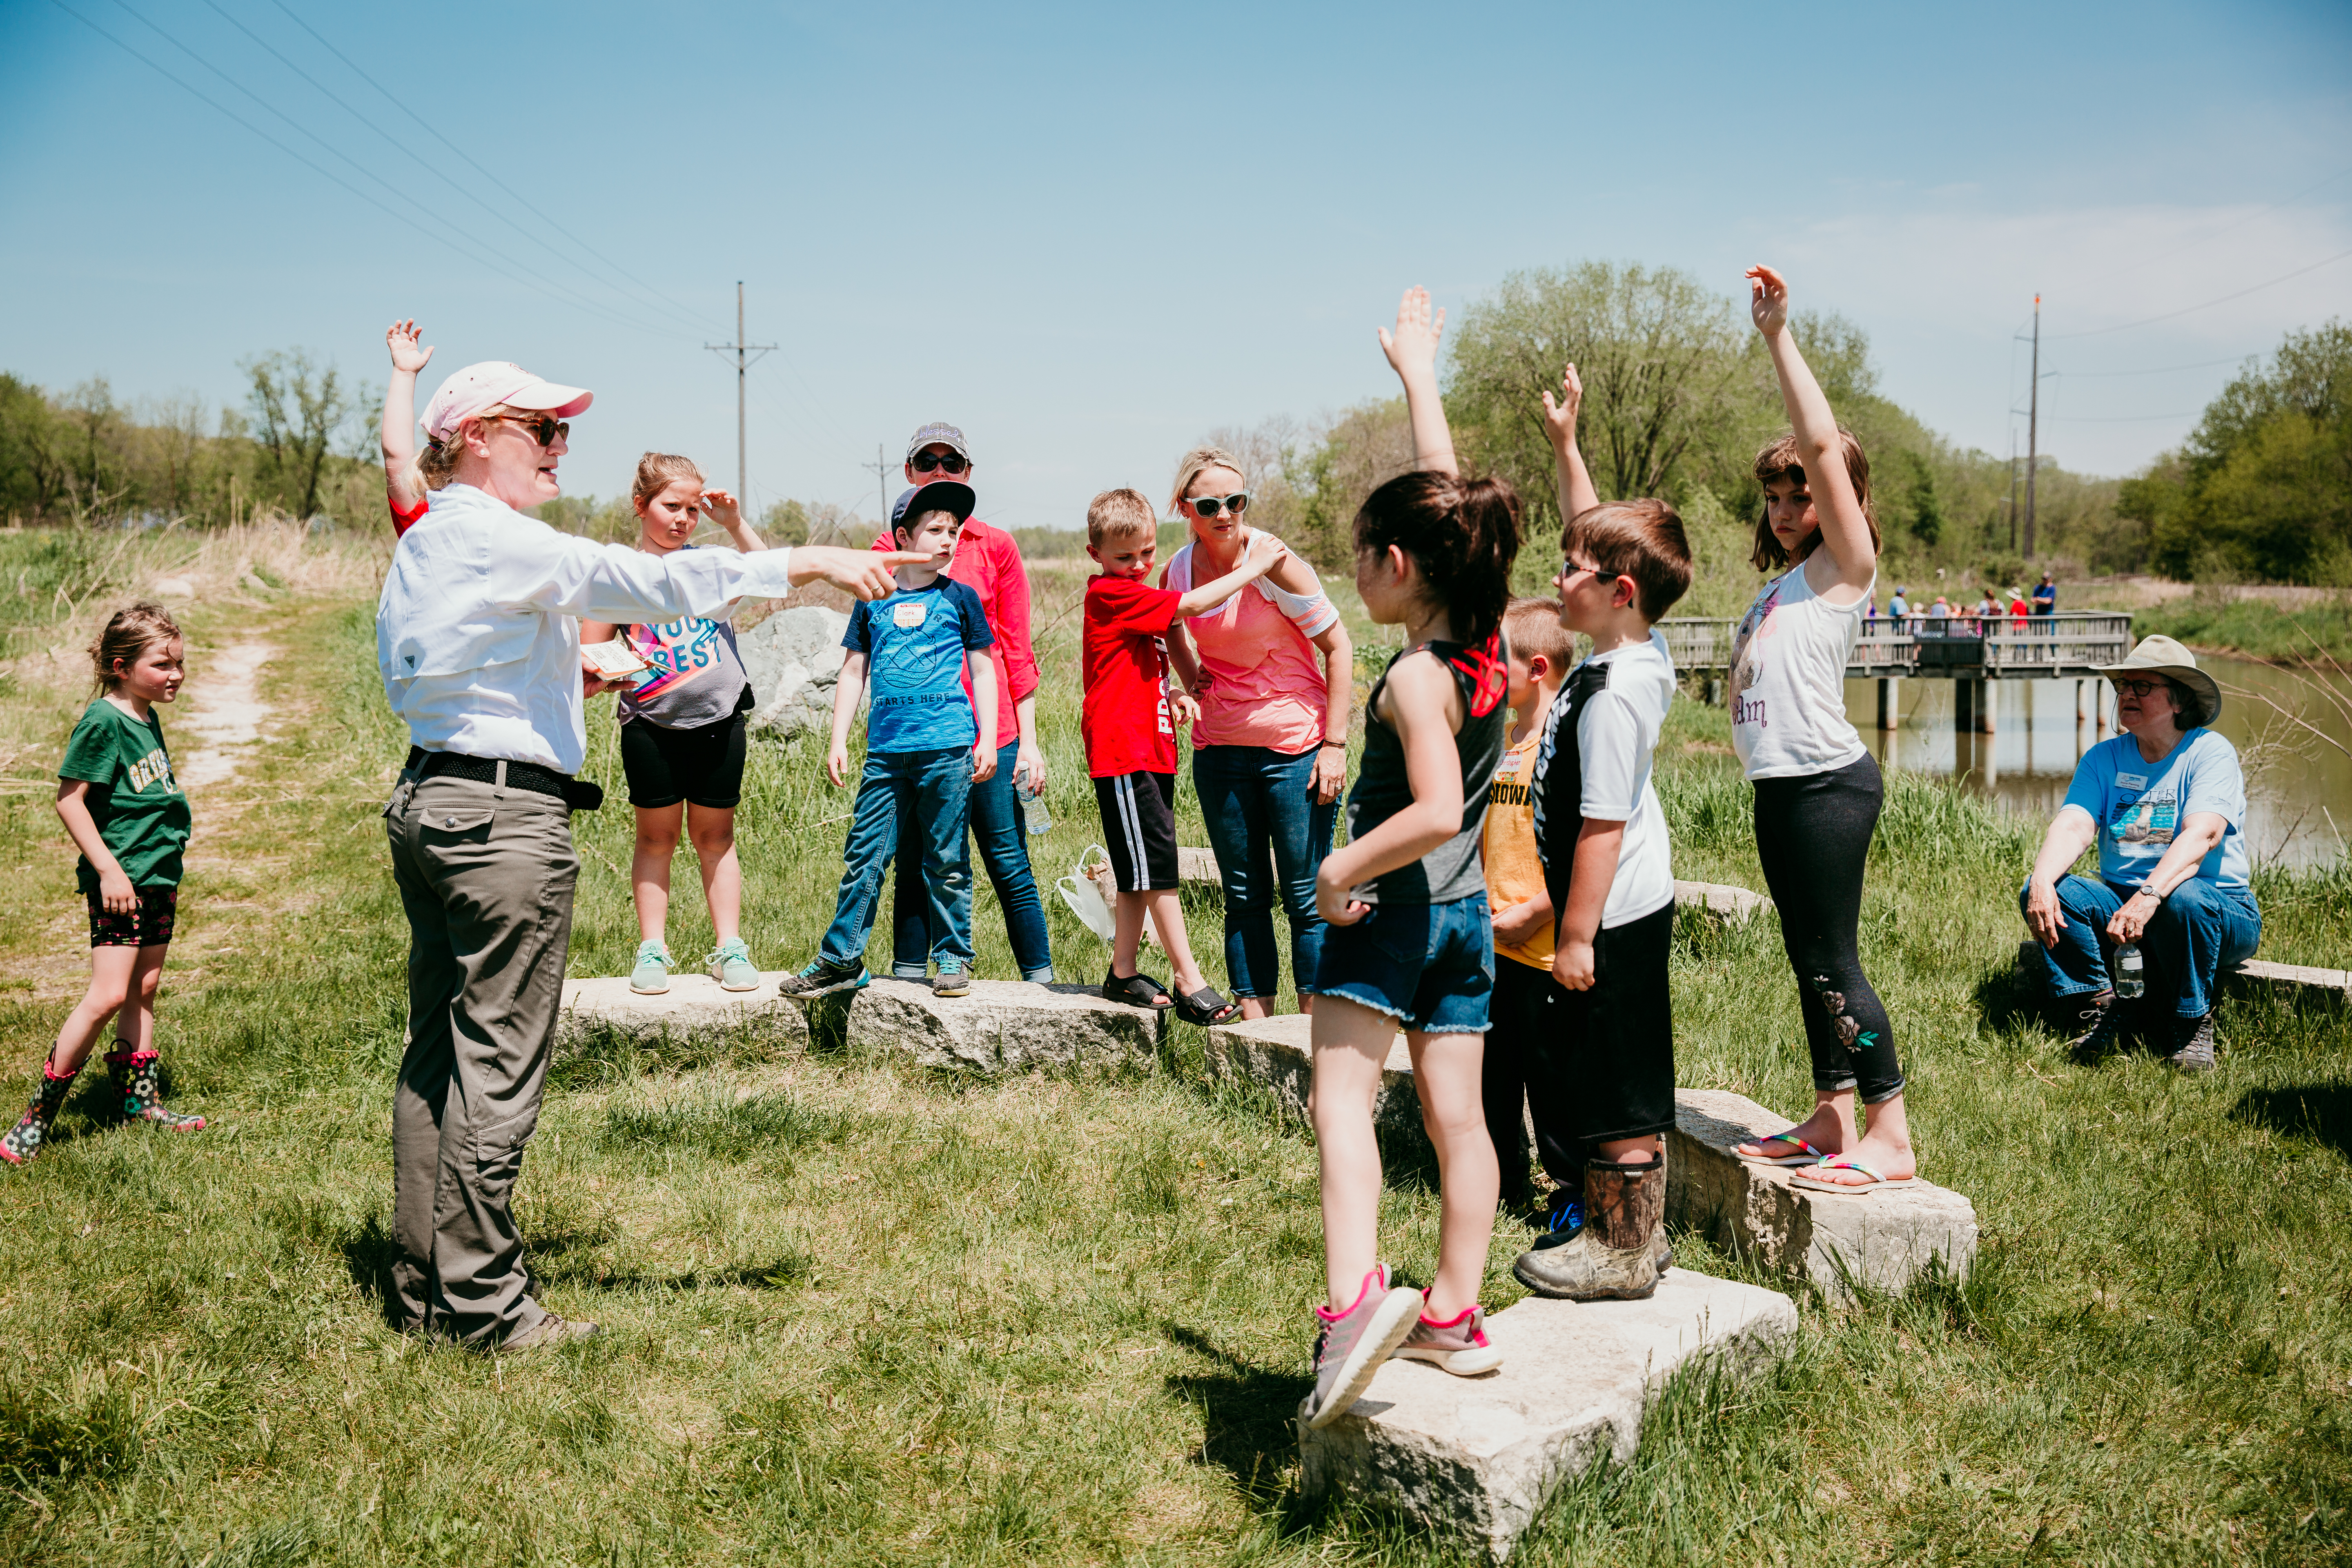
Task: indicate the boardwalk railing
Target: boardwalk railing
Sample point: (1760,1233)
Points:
(2004,648)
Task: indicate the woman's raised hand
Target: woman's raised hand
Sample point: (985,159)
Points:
(401,339)
(1412,348)
(1559,418)
(1767,300)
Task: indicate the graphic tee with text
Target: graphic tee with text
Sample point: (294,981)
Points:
(141,811)
(2139,805)
(914,643)
(1123,664)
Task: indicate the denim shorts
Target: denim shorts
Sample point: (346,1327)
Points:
(1428,967)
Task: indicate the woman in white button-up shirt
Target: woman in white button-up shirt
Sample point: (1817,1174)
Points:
(478,637)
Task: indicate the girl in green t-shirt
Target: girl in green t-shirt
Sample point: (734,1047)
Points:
(123,806)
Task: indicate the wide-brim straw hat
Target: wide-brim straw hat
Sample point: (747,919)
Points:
(2162,656)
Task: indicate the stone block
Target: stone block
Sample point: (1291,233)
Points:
(1885,1238)
(693,1004)
(1721,899)
(1277,1054)
(793,658)
(1003,1026)
(1479,1457)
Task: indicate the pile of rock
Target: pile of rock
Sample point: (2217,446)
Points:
(794,660)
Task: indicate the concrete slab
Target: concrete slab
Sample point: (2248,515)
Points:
(1003,1026)
(1277,1054)
(1480,1457)
(1884,1238)
(693,1004)
(1721,899)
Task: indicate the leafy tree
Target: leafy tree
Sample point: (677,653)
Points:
(297,407)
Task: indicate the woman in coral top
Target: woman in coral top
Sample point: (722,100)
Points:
(1274,673)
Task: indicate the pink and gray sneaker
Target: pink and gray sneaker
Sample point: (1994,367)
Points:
(1458,1345)
(1351,1344)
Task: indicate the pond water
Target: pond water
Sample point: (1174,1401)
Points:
(2298,789)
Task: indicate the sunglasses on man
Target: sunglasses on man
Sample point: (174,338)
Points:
(940,462)
(1209,506)
(545,429)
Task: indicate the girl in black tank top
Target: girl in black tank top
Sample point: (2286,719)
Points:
(1409,940)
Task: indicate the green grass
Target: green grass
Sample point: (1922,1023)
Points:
(864,1312)
(2312,633)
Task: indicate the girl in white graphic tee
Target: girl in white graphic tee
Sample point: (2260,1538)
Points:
(1817,789)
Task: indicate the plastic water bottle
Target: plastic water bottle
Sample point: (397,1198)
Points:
(1031,796)
(2131,978)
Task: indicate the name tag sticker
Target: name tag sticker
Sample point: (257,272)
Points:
(2132,781)
(906,617)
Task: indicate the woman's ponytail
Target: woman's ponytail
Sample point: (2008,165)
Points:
(1462,536)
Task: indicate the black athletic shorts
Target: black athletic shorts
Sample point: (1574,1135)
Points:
(1613,1047)
(1139,818)
(148,925)
(703,765)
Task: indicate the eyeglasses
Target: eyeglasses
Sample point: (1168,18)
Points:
(1209,506)
(940,462)
(2140,688)
(545,429)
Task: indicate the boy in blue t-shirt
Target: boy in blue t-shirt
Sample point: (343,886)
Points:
(926,743)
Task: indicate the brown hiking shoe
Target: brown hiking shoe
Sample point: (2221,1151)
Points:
(548,1331)
(2091,1022)
(2193,1045)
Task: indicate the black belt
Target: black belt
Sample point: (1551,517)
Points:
(577,795)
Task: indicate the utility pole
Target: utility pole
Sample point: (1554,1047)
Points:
(2012,481)
(2032,428)
(881,483)
(741,349)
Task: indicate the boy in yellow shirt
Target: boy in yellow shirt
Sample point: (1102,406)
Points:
(1540,652)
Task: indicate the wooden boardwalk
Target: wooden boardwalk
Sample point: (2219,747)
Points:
(2027,648)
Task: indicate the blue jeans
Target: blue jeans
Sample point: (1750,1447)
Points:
(1255,799)
(928,791)
(996,825)
(2193,935)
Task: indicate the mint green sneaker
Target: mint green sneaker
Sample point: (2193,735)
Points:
(731,966)
(651,976)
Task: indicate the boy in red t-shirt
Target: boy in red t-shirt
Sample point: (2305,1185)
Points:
(1129,723)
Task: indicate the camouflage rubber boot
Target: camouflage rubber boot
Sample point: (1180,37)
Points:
(1616,1257)
(21,1142)
(139,1089)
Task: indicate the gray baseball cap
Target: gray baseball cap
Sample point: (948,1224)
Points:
(937,433)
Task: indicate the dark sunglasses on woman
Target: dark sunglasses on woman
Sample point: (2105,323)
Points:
(942,462)
(545,429)
(1208,506)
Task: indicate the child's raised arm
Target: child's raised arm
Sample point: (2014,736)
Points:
(400,479)
(1845,531)
(723,509)
(1576,491)
(1257,560)
(1412,355)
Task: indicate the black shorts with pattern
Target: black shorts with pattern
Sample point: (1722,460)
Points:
(150,925)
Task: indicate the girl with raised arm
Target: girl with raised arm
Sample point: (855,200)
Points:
(1818,791)
(1411,941)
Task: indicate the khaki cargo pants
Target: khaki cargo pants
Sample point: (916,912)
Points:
(486,874)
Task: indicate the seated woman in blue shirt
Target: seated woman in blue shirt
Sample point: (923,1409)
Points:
(2165,801)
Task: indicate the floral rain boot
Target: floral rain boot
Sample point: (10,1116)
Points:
(138,1086)
(21,1142)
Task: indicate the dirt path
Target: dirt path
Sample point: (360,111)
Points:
(225,713)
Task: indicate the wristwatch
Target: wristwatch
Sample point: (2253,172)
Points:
(1335,745)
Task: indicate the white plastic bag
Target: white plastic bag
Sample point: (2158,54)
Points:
(1091,891)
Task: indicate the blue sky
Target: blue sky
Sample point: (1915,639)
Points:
(1089,235)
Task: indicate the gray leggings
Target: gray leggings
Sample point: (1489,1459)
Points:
(1812,833)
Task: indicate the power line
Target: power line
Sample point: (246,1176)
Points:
(2163,369)
(491,262)
(435,132)
(2190,310)
(2121,418)
(405,151)
(2218,232)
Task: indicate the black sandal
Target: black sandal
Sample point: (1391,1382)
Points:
(1205,1006)
(1138,990)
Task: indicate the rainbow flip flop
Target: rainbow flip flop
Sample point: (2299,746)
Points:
(1812,1156)
(1854,1189)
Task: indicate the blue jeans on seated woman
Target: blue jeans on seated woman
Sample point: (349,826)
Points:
(928,791)
(997,828)
(1269,834)
(2197,931)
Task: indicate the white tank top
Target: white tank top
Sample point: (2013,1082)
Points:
(1788,680)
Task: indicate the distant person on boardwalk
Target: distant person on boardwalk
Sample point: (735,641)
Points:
(1411,942)
(1898,610)
(2165,801)
(404,486)
(988,562)
(682,734)
(1274,673)
(2045,596)
(2018,610)
(124,809)
(1128,718)
(1818,790)
(913,653)
(478,639)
